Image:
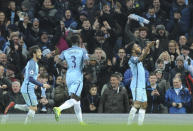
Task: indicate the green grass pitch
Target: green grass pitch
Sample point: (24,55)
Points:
(93,127)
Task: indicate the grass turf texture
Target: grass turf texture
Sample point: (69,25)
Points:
(92,127)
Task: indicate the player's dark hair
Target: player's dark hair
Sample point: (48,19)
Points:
(75,39)
(33,50)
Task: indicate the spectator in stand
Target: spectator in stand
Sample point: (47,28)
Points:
(104,43)
(120,19)
(69,20)
(188,65)
(16,41)
(111,21)
(179,22)
(108,83)
(106,70)
(3,24)
(5,86)
(75,7)
(179,70)
(155,95)
(177,98)
(45,96)
(114,98)
(130,33)
(87,34)
(61,6)
(92,70)
(48,61)
(182,41)
(11,73)
(48,16)
(60,91)
(83,16)
(188,62)
(164,66)
(100,55)
(135,6)
(60,37)
(44,41)
(151,16)
(27,6)
(120,61)
(11,13)
(2,41)
(3,59)
(143,33)
(91,8)
(161,81)
(149,61)
(33,34)
(15,97)
(24,23)
(17,53)
(90,101)
(173,49)
(160,12)
(162,40)
(4,82)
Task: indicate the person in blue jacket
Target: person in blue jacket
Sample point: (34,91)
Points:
(177,98)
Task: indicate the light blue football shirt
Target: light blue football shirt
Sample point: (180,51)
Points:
(75,57)
(31,70)
(138,80)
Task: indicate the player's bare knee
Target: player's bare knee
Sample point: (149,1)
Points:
(144,105)
(136,105)
(34,108)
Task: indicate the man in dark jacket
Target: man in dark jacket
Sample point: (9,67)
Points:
(155,95)
(114,98)
(179,70)
(5,86)
(15,96)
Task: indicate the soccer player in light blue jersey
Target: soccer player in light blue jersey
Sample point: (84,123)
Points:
(138,85)
(75,58)
(27,88)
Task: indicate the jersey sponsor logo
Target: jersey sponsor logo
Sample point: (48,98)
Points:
(31,72)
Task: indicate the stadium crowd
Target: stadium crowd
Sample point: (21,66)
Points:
(107,29)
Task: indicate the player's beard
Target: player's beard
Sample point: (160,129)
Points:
(38,57)
(138,52)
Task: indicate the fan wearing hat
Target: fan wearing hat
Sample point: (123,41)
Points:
(83,16)
(138,85)
(179,70)
(161,36)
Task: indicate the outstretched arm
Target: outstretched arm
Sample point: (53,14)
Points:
(146,50)
(32,80)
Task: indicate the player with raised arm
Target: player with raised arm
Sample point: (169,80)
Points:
(27,88)
(75,58)
(138,85)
